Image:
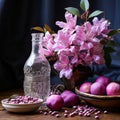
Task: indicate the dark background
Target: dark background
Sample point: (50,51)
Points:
(17,17)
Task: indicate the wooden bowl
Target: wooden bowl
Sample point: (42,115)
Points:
(102,101)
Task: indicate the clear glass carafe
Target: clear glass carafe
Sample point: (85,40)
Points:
(37,70)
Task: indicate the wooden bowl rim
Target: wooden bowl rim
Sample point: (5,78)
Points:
(98,97)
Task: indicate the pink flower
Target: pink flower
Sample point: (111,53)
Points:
(61,41)
(80,35)
(76,44)
(63,65)
(70,21)
(48,43)
(100,26)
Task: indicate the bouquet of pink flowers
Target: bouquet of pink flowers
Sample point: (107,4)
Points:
(84,44)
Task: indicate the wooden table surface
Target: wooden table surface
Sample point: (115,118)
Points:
(4,115)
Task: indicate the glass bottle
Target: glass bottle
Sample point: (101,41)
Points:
(37,70)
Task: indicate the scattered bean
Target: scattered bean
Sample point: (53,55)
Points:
(66,111)
(96,117)
(65,115)
(74,107)
(57,115)
(45,113)
(105,112)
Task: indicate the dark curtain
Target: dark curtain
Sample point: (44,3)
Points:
(16,20)
(17,17)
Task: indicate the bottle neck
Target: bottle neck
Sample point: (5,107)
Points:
(35,47)
(36,42)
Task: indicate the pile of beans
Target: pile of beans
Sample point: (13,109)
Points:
(22,100)
(80,110)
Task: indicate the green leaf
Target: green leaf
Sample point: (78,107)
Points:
(113,32)
(108,59)
(103,42)
(73,10)
(84,4)
(112,43)
(109,50)
(107,42)
(95,13)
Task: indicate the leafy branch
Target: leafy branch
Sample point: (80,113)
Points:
(84,6)
(44,29)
